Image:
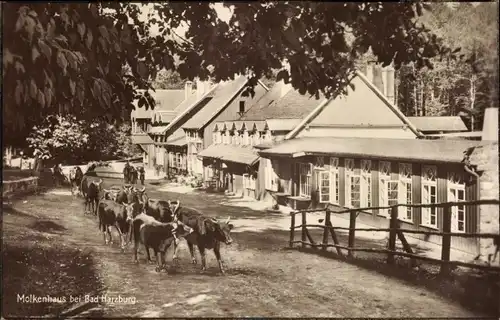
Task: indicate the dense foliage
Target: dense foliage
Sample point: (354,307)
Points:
(456,87)
(69,58)
(64,139)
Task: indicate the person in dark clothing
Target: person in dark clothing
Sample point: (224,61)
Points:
(126,173)
(142,175)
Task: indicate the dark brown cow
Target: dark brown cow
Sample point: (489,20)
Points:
(208,234)
(158,236)
(117,215)
(90,191)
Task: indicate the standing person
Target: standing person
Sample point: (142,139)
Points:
(126,173)
(142,175)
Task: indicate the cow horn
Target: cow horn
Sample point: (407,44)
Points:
(100,181)
(143,189)
(169,203)
(229,218)
(214,220)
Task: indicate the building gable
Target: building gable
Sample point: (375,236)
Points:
(363,112)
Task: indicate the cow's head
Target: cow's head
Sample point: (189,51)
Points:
(174,208)
(180,229)
(98,184)
(221,230)
(141,194)
(110,194)
(129,209)
(127,188)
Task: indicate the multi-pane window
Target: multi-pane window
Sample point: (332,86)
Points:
(429,195)
(324,186)
(256,138)
(334,170)
(456,193)
(245,138)
(405,190)
(353,186)
(251,140)
(305,174)
(384,171)
(366,183)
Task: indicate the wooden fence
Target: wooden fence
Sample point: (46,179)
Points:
(395,231)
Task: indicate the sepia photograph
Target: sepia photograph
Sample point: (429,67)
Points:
(289,159)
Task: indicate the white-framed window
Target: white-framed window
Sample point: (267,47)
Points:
(334,180)
(324,180)
(144,158)
(237,138)
(248,181)
(456,193)
(386,186)
(358,185)
(366,183)
(268,137)
(178,160)
(251,140)
(219,137)
(271,182)
(349,171)
(256,138)
(405,191)
(305,175)
(429,195)
(245,138)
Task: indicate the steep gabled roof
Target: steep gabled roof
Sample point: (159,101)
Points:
(166,99)
(445,124)
(187,105)
(222,96)
(396,114)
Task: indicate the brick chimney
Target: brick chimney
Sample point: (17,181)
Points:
(188,89)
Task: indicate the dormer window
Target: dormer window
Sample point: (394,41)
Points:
(242,107)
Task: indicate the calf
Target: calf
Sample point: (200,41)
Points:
(92,195)
(115,214)
(208,234)
(157,235)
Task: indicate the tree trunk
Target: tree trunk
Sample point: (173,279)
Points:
(472,99)
(422,98)
(415,96)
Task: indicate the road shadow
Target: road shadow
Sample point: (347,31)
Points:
(32,273)
(47,226)
(477,291)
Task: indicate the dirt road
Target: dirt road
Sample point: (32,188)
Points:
(262,280)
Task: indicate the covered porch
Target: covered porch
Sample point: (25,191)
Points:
(230,168)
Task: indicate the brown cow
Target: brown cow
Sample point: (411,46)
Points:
(158,236)
(115,214)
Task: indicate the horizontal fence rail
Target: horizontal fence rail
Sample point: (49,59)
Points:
(395,232)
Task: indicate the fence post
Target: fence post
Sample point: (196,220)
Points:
(304,222)
(393,224)
(292,229)
(446,244)
(352,227)
(326,229)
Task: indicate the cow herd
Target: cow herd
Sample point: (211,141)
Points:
(157,224)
